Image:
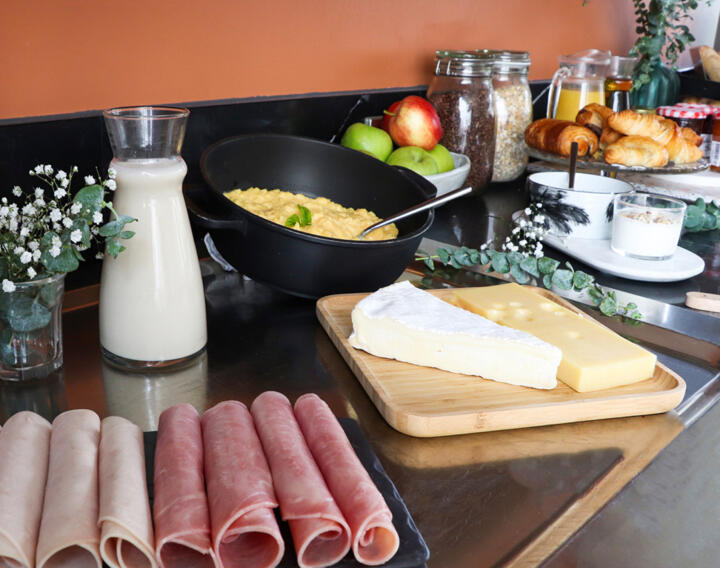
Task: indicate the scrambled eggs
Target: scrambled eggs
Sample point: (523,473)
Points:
(328,219)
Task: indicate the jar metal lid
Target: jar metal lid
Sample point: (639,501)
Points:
(463,63)
(515,58)
(681,112)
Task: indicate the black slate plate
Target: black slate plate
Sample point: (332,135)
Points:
(413,551)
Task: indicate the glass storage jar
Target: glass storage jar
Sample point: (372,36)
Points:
(513,113)
(462,95)
(715,147)
(707,126)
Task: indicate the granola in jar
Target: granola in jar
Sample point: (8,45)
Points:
(513,113)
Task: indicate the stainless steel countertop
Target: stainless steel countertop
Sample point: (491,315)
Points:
(498,498)
(479,500)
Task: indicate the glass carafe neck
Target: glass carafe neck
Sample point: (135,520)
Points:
(146,132)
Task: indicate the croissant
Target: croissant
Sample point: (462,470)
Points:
(557,136)
(710,62)
(691,136)
(635,124)
(682,151)
(609,136)
(637,151)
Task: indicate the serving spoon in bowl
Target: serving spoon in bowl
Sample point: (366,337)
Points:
(424,206)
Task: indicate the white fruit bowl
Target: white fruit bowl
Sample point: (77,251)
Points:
(447,181)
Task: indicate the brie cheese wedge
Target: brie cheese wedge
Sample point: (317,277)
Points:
(404,323)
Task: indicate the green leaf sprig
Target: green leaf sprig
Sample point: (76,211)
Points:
(661,33)
(302,218)
(701,216)
(525,268)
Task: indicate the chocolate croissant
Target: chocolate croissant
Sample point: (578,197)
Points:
(637,151)
(557,136)
(595,117)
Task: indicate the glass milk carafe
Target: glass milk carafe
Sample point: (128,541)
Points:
(579,81)
(152,304)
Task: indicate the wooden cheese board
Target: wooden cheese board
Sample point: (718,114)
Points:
(427,402)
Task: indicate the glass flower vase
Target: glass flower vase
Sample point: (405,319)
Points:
(31,329)
(662,90)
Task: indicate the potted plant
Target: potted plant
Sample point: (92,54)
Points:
(42,238)
(662,36)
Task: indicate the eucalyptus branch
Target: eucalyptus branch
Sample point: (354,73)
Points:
(525,269)
(660,33)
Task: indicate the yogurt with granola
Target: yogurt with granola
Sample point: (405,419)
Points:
(645,233)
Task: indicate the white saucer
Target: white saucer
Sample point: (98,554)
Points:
(598,254)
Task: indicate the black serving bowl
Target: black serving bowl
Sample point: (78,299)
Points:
(292,261)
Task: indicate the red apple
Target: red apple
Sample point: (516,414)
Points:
(414,122)
(385,124)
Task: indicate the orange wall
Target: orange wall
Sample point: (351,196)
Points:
(59,56)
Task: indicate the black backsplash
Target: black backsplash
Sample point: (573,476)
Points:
(81,139)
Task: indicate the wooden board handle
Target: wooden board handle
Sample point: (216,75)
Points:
(703,301)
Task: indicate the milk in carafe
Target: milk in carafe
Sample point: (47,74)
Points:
(152,304)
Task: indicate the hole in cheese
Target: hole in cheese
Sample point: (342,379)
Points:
(522,314)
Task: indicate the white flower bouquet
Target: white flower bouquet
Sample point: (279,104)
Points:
(42,237)
(48,233)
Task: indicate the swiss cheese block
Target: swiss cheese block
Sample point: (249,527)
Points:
(593,358)
(404,323)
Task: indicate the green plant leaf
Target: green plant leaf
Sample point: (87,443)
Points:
(562,279)
(500,262)
(292,220)
(6,349)
(581,280)
(608,306)
(547,281)
(114,227)
(484,258)
(66,261)
(24,314)
(530,265)
(126,234)
(515,257)
(305,216)
(113,247)
(520,276)
(83,226)
(429,263)
(49,294)
(91,199)
(462,257)
(547,265)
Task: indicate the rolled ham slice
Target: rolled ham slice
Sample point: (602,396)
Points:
(180,508)
(374,538)
(240,491)
(69,535)
(24,451)
(321,535)
(126,531)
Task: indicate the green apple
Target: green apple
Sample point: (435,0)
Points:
(443,158)
(414,158)
(368,139)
